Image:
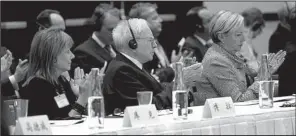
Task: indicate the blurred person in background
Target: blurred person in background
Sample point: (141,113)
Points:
(148,11)
(254,23)
(11,82)
(223,73)
(281,36)
(197,24)
(99,47)
(50,18)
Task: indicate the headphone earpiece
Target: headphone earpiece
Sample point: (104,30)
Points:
(132,43)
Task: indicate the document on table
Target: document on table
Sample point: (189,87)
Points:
(254,102)
(65,122)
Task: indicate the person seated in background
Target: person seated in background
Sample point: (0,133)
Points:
(280,39)
(148,11)
(287,71)
(47,91)
(99,47)
(254,23)
(50,18)
(197,24)
(10,83)
(223,73)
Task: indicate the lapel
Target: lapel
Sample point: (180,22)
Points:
(98,50)
(120,57)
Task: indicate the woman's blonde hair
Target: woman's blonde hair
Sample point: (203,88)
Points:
(45,47)
(224,22)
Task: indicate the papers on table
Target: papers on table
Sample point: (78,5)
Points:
(65,122)
(254,102)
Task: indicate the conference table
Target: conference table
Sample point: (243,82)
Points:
(249,119)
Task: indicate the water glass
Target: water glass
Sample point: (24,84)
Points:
(144,97)
(96,112)
(266,91)
(180,104)
(12,110)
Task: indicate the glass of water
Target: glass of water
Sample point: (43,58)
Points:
(266,91)
(144,97)
(96,112)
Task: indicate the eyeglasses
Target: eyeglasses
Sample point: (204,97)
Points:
(151,40)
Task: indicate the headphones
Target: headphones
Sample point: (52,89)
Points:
(132,43)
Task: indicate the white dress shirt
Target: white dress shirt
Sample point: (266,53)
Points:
(136,62)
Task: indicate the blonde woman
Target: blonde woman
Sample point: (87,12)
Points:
(224,69)
(47,91)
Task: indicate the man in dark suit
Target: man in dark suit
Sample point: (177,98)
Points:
(98,48)
(287,71)
(197,21)
(125,75)
(281,38)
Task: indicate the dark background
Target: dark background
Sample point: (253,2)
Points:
(19,40)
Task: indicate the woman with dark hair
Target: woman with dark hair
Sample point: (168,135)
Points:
(47,91)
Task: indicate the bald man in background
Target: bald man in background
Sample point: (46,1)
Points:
(50,18)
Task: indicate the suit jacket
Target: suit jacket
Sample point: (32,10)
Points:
(90,55)
(279,39)
(223,75)
(122,81)
(7,88)
(287,75)
(193,44)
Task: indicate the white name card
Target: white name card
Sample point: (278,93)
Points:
(140,115)
(218,107)
(33,125)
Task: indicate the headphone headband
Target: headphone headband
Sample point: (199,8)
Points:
(132,43)
(130,28)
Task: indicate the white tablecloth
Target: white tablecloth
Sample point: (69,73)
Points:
(249,120)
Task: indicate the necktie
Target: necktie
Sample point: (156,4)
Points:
(110,51)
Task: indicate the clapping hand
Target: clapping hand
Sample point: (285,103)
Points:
(6,61)
(21,70)
(176,57)
(154,75)
(276,60)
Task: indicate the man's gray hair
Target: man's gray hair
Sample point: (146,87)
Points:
(224,22)
(122,35)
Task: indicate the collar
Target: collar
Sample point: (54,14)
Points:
(99,42)
(237,60)
(136,62)
(200,39)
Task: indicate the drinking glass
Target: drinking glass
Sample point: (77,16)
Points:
(144,97)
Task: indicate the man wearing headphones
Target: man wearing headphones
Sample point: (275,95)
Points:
(197,21)
(98,48)
(125,75)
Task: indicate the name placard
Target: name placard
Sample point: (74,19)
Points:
(33,125)
(140,115)
(218,107)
